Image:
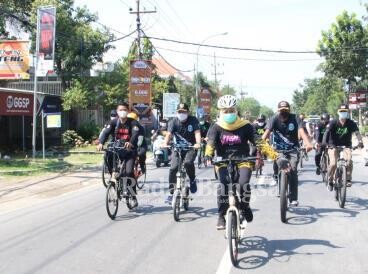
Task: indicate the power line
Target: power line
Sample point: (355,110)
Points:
(241,58)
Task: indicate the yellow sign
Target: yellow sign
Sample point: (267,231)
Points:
(14,59)
(53,120)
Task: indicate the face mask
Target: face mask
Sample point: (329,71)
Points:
(284,115)
(343,115)
(229,118)
(122,114)
(182,116)
(112,117)
(261,124)
(201,122)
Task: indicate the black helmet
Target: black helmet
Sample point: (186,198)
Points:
(261,117)
(325,117)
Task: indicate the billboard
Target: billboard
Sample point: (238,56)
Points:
(358,99)
(205,100)
(16,104)
(14,59)
(170,103)
(46,18)
(140,87)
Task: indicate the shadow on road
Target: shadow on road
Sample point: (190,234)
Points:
(258,251)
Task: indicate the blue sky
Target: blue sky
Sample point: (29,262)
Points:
(266,24)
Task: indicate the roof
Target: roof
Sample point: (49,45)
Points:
(165,70)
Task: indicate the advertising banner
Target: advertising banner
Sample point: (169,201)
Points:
(170,103)
(16,104)
(358,99)
(14,59)
(205,100)
(46,17)
(140,86)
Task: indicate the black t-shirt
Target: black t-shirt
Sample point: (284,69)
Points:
(226,141)
(259,130)
(285,134)
(340,135)
(320,130)
(184,132)
(128,132)
(204,129)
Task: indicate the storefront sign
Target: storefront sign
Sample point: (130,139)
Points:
(16,104)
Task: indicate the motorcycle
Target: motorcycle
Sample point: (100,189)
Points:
(161,155)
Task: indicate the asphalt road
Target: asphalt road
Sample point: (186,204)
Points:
(72,233)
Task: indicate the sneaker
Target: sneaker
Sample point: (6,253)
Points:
(134,202)
(193,186)
(294,203)
(330,186)
(318,171)
(169,199)
(247,214)
(221,223)
(348,183)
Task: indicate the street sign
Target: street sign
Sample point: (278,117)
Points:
(170,103)
(53,120)
(205,100)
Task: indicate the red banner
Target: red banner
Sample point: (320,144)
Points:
(205,100)
(16,104)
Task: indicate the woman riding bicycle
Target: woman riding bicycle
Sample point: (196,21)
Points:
(229,136)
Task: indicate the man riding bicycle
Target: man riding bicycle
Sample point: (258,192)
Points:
(285,127)
(185,130)
(229,134)
(320,131)
(260,125)
(126,131)
(339,133)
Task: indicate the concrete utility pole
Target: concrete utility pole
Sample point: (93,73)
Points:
(138,12)
(216,73)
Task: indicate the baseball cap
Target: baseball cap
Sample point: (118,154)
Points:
(343,108)
(113,113)
(283,105)
(183,107)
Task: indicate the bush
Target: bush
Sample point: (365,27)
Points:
(89,131)
(364,130)
(71,138)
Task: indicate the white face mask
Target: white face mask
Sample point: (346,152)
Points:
(182,116)
(122,114)
(343,115)
(261,124)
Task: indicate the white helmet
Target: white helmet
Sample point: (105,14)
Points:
(226,101)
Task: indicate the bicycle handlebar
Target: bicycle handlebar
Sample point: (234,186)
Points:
(235,159)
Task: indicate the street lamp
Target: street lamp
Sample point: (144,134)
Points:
(204,40)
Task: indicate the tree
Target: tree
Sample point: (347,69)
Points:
(78,45)
(228,90)
(250,106)
(344,47)
(268,112)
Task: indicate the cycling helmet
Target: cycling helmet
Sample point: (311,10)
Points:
(261,117)
(325,117)
(133,115)
(227,101)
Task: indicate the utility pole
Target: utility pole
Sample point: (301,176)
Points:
(138,12)
(216,73)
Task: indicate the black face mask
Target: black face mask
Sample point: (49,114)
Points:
(284,115)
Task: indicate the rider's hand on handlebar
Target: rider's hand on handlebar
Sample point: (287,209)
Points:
(197,146)
(99,147)
(128,145)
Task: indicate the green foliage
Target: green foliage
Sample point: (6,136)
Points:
(89,131)
(344,47)
(249,107)
(71,138)
(75,97)
(268,112)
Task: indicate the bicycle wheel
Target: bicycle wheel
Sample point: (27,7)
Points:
(324,169)
(204,162)
(283,195)
(301,161)
(112,200)
(232,237)
(341,187)
(176,207)
(105,174)
(186,199)
(199,160)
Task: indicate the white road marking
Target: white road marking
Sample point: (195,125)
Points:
(225,264)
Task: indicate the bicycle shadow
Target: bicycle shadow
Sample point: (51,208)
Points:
(199,213)
(142,211)
(356,203)
(279,250)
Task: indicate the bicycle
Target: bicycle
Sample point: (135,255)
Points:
(323,166)
(303,155)
(283,182)
(234,228)
(105,172)
(118,187)
(259,164)
(181,194)
(139,176)
(201,157)
(340,176)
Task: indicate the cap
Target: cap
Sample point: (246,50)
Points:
(133,115)
(283,105)
(343,108)
(182,106)
(113,113)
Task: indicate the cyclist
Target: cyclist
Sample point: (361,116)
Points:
(126,130)
(230,133)
(185,129)
(142,144)
(339,133)
(259,125)
(285,127)
(319,132)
